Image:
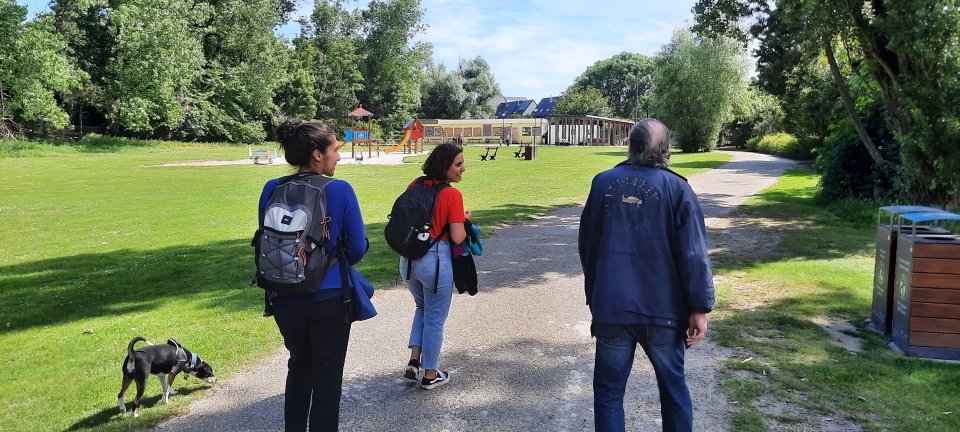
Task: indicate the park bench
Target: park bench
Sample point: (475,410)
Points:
(486,155)
(262,155)
(521,151)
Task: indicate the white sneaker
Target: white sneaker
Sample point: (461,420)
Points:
(441,379)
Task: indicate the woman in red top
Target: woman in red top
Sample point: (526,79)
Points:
(445,164)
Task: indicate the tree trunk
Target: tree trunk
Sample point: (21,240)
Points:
(848,102)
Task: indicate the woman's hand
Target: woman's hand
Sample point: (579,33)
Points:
(468,215)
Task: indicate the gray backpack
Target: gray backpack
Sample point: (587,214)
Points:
(291,243)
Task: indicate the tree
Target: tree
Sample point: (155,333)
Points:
(157,57)
(585,101)
(329,49)
(801,80)
(244,66)
(908,50)
(442,94)
(697,81)
(393,67)
(33,70)
(758,114)
(480,85)
(623,80)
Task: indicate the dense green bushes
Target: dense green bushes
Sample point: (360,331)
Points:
(781,144)
(847,169)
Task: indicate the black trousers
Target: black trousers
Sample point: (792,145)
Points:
(317,338)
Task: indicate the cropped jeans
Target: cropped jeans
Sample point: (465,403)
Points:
(433,302)
(616,344)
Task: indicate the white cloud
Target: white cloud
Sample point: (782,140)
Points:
(536,48)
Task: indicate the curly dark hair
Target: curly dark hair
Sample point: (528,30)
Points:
(298,140)
(440,160)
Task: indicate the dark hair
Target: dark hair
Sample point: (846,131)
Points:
(440,160)
(650,143)
(298,140)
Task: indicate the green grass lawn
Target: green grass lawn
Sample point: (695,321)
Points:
(100,244)
(766,308)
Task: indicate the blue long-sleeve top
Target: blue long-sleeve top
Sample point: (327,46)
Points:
(344,211)
(642,245)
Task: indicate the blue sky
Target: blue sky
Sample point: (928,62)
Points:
(535,47)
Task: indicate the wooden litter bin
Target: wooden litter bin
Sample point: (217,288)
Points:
(926,317)
(885,264)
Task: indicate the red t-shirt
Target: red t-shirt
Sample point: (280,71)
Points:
(448,209)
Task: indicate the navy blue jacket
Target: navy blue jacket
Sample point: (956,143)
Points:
(643,248)
(344,211)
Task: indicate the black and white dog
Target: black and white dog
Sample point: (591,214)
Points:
(160,360)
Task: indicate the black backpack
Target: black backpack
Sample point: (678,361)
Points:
(408,224)
(291,252)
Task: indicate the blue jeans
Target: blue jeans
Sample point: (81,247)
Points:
(433,302)
(616,344)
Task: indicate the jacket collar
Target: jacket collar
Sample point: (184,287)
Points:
(648,164)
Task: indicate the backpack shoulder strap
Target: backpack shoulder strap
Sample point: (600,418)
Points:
(297,176)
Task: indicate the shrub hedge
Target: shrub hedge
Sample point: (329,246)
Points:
(781,144)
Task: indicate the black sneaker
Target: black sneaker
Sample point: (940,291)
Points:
(441,379)
(413,370)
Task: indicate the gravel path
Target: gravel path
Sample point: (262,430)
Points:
(519,353)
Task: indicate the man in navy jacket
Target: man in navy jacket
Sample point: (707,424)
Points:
(647,276)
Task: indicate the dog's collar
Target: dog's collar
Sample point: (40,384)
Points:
(191,366)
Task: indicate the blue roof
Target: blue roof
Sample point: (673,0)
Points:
(522,107)
(506,109)
(545,107)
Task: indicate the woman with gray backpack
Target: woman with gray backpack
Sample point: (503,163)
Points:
(308,220)
(425,241)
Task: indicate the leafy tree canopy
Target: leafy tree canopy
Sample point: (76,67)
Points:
(585,101)
(623,80)
(34,71)
(698,81)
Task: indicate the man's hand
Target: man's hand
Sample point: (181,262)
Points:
(697,329)
(468,215)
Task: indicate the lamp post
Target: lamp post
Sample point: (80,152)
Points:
(636,95)
(502,121)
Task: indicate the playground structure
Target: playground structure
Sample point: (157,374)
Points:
(259,156)
(412,135)
(361,136)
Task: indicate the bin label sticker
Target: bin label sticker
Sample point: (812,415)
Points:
(902,286)
(881,274)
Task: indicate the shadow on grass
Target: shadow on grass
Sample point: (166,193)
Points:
(66,289)
(697,165)
(796,361)
(781,353)
(102,419)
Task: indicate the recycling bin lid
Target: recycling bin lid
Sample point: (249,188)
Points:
(927,217)
(930,216)
(895,210)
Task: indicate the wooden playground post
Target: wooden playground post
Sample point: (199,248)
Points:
(360,112)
